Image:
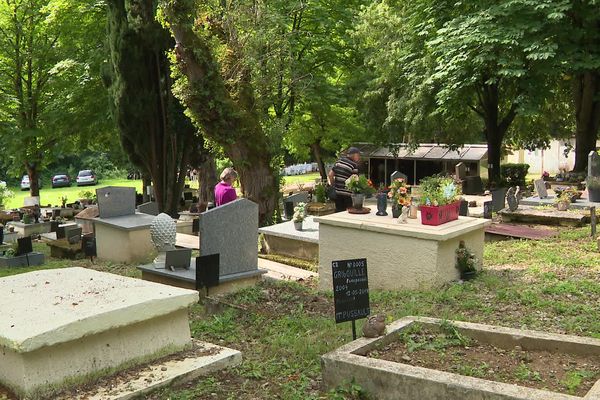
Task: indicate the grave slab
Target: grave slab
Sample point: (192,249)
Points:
(580,204)
(24,230)
(386,380)
(550,216)
(400,256)
(124,239)
(284,239)
(87,322)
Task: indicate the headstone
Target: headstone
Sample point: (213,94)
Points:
(487,209)
(150,208)
(24,246)
(62,230)
(460,170)
(397,174)
(89,246)
(593,163)
(207,271)
(31,201)
(464,208)
(178,259)
(116,201)
(290,202)
(540,188)
(74,235)
(511,199)
(593,220)
(231,230)
(350,290)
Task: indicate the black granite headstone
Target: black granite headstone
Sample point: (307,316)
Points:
(89,246)
(464,208)
(24,246)
(207,271)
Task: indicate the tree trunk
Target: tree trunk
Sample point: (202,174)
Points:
(586,96)
(146,181)
(207,180)
(316,149)
(34,179)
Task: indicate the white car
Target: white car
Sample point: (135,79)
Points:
(86,177)
(25,182)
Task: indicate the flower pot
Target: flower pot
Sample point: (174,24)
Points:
(298,226)
(382,204)
(594,194)
(562,205)
(396,211)
(357,201)
(437,215)
(468,275)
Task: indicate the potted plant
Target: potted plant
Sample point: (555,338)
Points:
(299,216)
(399,195)
(5,194)
(360,187)
(86,197)
(563,201)
(440,200)
(27,218)
(466,262)
(63,202)
(593,188)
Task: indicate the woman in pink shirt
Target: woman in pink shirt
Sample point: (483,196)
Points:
(224,191)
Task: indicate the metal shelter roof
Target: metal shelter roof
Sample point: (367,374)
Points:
(426,151)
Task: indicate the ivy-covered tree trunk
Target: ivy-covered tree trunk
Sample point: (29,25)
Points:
(224,109)
(586,96)
(318,153)
(155,133)
(34,179)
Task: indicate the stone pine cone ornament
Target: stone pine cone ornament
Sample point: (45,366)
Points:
(163,232)
(374,326)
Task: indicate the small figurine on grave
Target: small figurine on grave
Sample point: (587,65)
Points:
(403,219)
(163,232)
(37,213)
(374,326)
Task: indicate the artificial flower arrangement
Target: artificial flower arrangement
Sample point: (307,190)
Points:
(299,212)
(399,192)
(360,185)
(439,191)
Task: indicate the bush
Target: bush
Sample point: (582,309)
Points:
(514,174)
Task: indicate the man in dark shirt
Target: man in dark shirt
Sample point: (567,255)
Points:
(342,170)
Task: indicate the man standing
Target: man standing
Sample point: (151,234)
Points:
(342,170)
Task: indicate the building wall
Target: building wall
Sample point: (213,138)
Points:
(551,159)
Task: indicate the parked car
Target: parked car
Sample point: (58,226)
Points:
(61,180)
(86,177)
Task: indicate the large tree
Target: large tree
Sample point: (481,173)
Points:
(154,131)
(49,82)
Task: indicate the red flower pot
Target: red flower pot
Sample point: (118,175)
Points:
(432,215)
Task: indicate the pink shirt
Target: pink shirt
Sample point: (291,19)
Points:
(224,194)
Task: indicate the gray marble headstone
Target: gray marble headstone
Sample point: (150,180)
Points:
(116,201)
(231,230)
(150,208)
(540,188)
(594,163)
(460,170)
(397,174)
(301,197)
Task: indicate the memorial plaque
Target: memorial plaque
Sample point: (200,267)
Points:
(207,271)
(350,289)
(73,234)
(24,246)
(487,209)
(178,259)
(464,208)
(540,188)
(89,246)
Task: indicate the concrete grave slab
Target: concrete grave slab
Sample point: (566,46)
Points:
(124,239)
(386,380)
(284,239)
(86,322)
(24,230)
(116,201)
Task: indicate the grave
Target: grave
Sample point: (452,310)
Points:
(401,256)
(291,201)
(549,216)
(24,230)
(24,257)
(231,231)
(150,208)
(122,235)
(86,217)
(285,240)
(87,323)
(580,204)
(540,188)
(397,174)
(388,380)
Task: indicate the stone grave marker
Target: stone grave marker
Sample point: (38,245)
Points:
(150,208)
(487,209)
(116,201)
(31,201)
(74,235)
(397,174)
(540,188)
(594,163)
(231,230)
(290,202)
(511,199)
(464,208)
(460,170)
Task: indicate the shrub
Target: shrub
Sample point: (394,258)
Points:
(514,174)
(320,193)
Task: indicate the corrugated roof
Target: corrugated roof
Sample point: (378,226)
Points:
(428,151)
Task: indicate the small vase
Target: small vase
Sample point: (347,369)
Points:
(358,201)
(382,204)
(413,211)
(396,211)
(562,206)
(298,226)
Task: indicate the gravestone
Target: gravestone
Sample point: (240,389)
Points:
(150,208)
(31,201)
(290,202)
(511,198)
(116,201)
(487,209)
(74,235)
(231,230)
(24,246)
(593,163)
(207,271)
(540,188)
(89,246)
(460,170)
(397,174)
(464,208)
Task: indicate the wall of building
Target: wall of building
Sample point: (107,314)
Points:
(551,159)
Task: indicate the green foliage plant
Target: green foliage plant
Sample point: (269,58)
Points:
(5,193)
(439,190)
(320,193)
(359,184)
(514,174)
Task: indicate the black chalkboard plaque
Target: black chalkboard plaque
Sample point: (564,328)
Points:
(89,246)
(350,289)
(24,246)
(207,271)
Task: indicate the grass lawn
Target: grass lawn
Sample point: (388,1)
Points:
(48,195)
(282,328)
